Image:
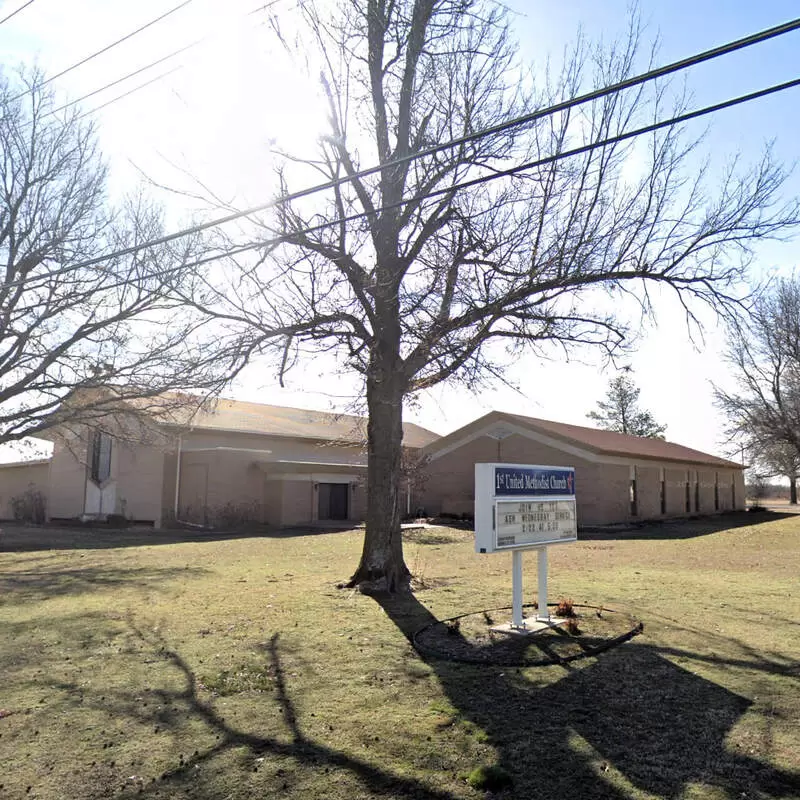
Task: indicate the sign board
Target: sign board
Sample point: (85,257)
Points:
(521,505)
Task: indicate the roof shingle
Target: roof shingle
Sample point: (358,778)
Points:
(598,441)
(239,415)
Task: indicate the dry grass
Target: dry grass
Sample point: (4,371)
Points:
(138,665)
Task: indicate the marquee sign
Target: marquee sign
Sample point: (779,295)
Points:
(522,506)
(533,481)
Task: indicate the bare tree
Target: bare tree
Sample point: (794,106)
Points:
(412,280)
(777,460)
(77,341)
(620,411)
(763,414)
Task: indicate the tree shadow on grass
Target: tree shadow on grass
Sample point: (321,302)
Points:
(178,703)
(41,582)
(629,720)
(21,539)
(681,528)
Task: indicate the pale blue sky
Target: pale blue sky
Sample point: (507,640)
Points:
(216,114)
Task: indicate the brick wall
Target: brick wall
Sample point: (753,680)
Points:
(602,490)
(17,479)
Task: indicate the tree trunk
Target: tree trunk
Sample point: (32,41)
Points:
(382,567)
(793,490)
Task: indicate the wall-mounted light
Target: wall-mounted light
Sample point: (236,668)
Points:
(316,487)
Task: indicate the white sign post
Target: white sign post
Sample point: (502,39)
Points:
(522,507)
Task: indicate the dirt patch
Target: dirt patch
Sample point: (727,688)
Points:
(472,638)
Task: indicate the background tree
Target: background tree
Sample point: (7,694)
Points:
(413,280)
(620,411)
(76,340)
(776,460)
(763,412)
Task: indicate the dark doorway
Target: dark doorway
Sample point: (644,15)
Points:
(333,500)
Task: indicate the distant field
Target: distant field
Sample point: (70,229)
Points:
(137,664)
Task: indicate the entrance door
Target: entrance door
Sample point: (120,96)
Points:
(333,499)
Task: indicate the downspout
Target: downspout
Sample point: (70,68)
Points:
(177,478)
(177,490)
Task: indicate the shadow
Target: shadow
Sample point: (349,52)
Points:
(431,536)
(20,539)
(37,644)
(631,719)
(177,704)
(42,583)
(683,528)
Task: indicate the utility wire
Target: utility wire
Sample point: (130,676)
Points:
(676,120)
(494,175)
(131,91)
(14,13)
(125,78)
(105,49)
(149,66)
(563,106)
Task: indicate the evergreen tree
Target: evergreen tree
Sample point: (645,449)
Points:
(620,411)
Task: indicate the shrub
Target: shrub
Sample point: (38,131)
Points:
(571,626)
(564,608)
(29,506)
(490,779)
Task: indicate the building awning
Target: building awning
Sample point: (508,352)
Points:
(286,465)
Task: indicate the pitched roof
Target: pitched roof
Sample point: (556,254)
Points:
(593,439)
(238,415)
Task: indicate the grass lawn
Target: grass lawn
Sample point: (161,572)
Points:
(135,664)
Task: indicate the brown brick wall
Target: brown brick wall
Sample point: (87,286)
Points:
(602,490)
(602,493)
(648,490)
(139,475)
(279,447)
(738,481)
(298,502)
(16,479)
(67,488)
(273,502)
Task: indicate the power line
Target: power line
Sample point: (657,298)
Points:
(139,70)
(105,49)
(511,171)
(125,78)
(495,175)
(637,80)
(14,13)
(131,91)
(581,99)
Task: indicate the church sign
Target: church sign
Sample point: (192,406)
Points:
(522,506)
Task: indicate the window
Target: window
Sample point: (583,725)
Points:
(688,500)
(696,491)
(100,463)
(633,494)
(663,492)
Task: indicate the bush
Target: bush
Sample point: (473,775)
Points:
(572,626)
(233,515)
(491,778)
(564,608)
(29,506)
